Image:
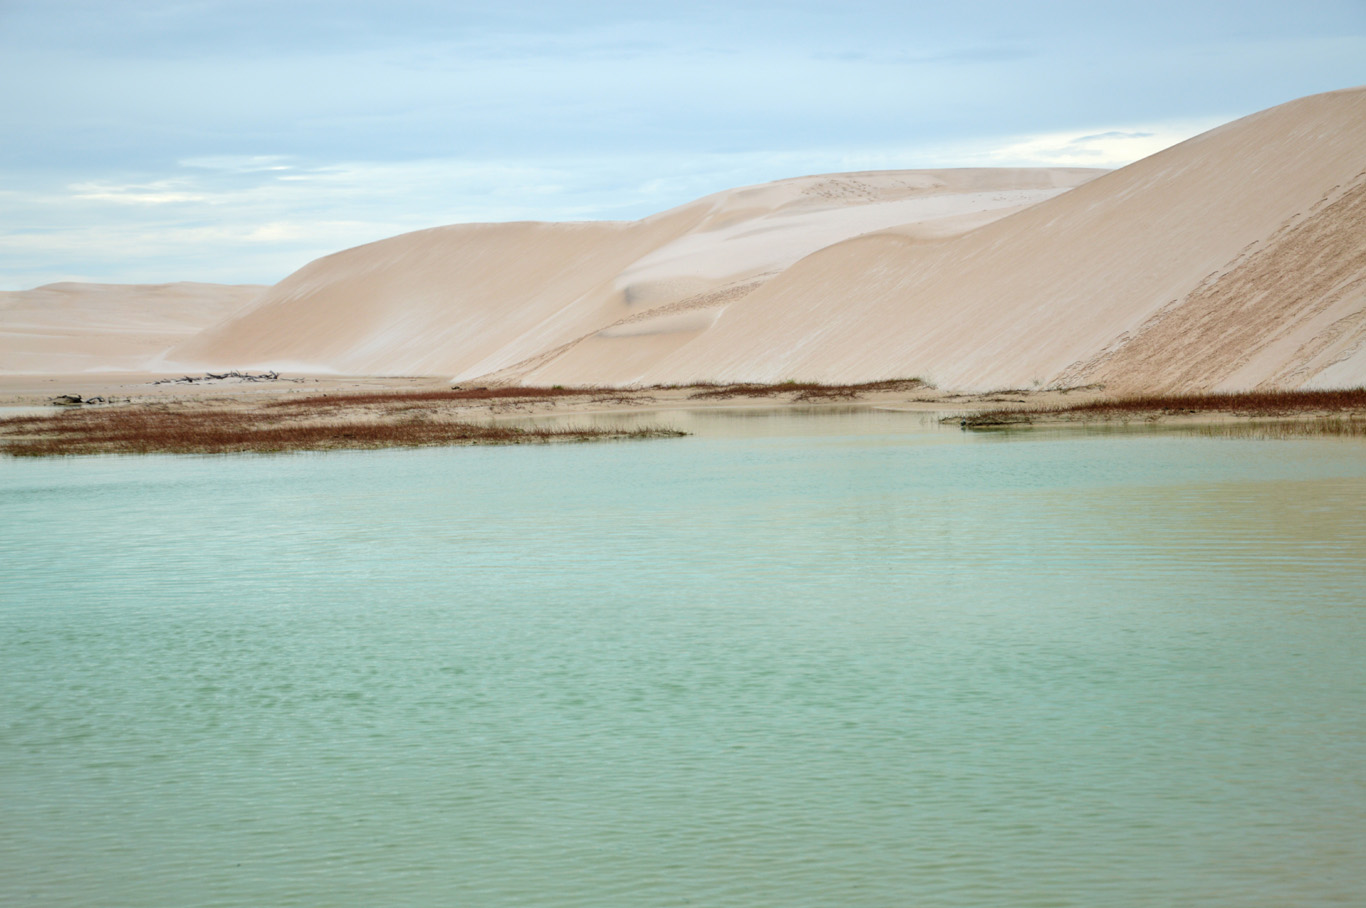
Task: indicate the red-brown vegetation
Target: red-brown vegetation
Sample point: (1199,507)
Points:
(369,398)
(513,393)
(1321,412)
(219,430)
(804,390)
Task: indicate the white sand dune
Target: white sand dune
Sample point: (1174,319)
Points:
(471,300)
(1236,259)
(75,327)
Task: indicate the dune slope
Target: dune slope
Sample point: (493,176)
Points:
(76,327)
(479,299)
(1232,260)
(1289,312)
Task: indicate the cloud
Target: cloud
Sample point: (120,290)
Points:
(238,163)
(1113,134)
(161,192)
(1107,148)
(253,218)
(236,139)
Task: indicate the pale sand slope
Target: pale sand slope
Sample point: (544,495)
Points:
(1235,259)
(475,299)
(74,327)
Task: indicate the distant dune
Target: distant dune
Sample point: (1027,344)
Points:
(475,299)
(1234,260)
(73,327)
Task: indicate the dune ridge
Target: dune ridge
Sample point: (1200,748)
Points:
(1235,260)
(1091,286)
(494,299)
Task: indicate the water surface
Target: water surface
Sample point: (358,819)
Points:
(855,660)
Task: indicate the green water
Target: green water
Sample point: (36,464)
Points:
(848,661)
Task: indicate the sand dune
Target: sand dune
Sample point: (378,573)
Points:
(74,327)
(1233,260)
(472,300)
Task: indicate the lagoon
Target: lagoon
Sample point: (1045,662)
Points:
(851,659)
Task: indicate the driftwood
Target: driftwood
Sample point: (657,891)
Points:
(75,400)
(234,375)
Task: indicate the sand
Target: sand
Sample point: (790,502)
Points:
(75,327)
(1091,286)
(1235,260)
(349,407)
(493,300)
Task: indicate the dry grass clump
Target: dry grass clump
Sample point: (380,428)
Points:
(1303,412)
(159,430)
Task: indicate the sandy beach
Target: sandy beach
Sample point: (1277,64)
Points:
(171,389)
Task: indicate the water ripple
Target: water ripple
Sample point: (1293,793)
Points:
(851,666)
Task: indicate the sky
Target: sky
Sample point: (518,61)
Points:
(235,140)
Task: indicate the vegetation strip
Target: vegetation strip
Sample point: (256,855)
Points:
(371,398)
(220,430)
(511,393)
(805,390)
(368,419)
(1304,412)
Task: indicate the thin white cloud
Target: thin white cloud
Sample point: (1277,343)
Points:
(160,192)
(268,163)
(178,139)
(242,218)
(1108,148)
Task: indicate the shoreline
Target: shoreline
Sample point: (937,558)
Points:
(41,390)
(1279,413)
(277,412)
(58,415)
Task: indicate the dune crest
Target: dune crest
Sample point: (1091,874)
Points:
(1232,260)
(1235,260)
(497,299)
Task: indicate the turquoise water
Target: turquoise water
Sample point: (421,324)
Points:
(854,660)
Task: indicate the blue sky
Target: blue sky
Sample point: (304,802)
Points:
(234,141)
